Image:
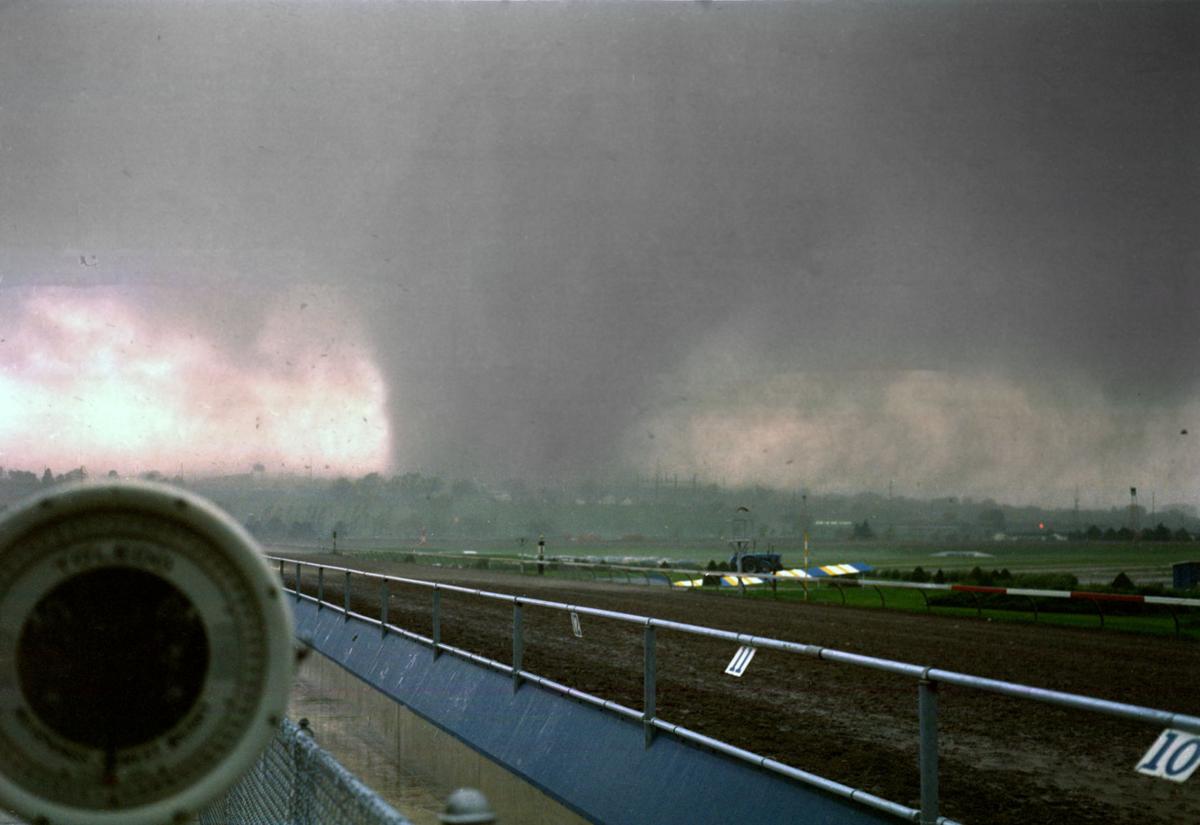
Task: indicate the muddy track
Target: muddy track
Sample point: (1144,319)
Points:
(1003,761)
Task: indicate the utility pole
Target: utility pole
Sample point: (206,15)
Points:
(804,527)
(891,511)
(804,581)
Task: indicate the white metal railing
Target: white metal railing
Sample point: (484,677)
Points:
(927,679)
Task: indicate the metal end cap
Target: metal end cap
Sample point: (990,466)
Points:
(466,805)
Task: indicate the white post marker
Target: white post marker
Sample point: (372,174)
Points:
(741,660)
(1175,755)
(575,627)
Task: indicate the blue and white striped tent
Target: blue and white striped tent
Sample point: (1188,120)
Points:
(825,571)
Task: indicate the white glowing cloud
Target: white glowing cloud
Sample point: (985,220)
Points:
(89,377)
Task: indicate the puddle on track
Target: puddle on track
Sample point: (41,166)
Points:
(338,729)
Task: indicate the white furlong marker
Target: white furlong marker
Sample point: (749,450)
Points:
(1175,755)
(741,661)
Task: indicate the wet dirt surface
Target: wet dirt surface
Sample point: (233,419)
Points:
(365,752)
(1003,761)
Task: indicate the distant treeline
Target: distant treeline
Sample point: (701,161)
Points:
(1159,532)
(417,507)
(978,576)
(984,578)
(1121,584)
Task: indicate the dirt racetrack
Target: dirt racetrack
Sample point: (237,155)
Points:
(1003,761)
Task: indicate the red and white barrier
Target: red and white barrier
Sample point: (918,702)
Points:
(1047,594)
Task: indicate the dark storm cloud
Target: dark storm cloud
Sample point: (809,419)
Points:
(545,212)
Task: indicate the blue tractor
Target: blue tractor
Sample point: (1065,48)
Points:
(745,557)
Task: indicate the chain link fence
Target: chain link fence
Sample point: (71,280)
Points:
(295,782)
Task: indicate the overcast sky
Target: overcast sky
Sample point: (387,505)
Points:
(815,245)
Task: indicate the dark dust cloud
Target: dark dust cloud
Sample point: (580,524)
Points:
(950,244)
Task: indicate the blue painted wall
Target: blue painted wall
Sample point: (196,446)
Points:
(592,761)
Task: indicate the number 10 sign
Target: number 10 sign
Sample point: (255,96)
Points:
(1174,756)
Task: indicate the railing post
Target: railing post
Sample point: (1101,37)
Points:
(649,685)
(302,789)
(518,645)
(383,606)
(297,582)
(928,752)
(320,587)
(346,596)
(437,622)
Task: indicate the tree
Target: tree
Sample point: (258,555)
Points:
(47,478)
(863,531)
(414,485)
(992,520)
(1093,533)
(977,576)
(78,474)
(1182,535)
(1122,582)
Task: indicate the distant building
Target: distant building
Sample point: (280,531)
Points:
(1034,535)
(1185,575)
